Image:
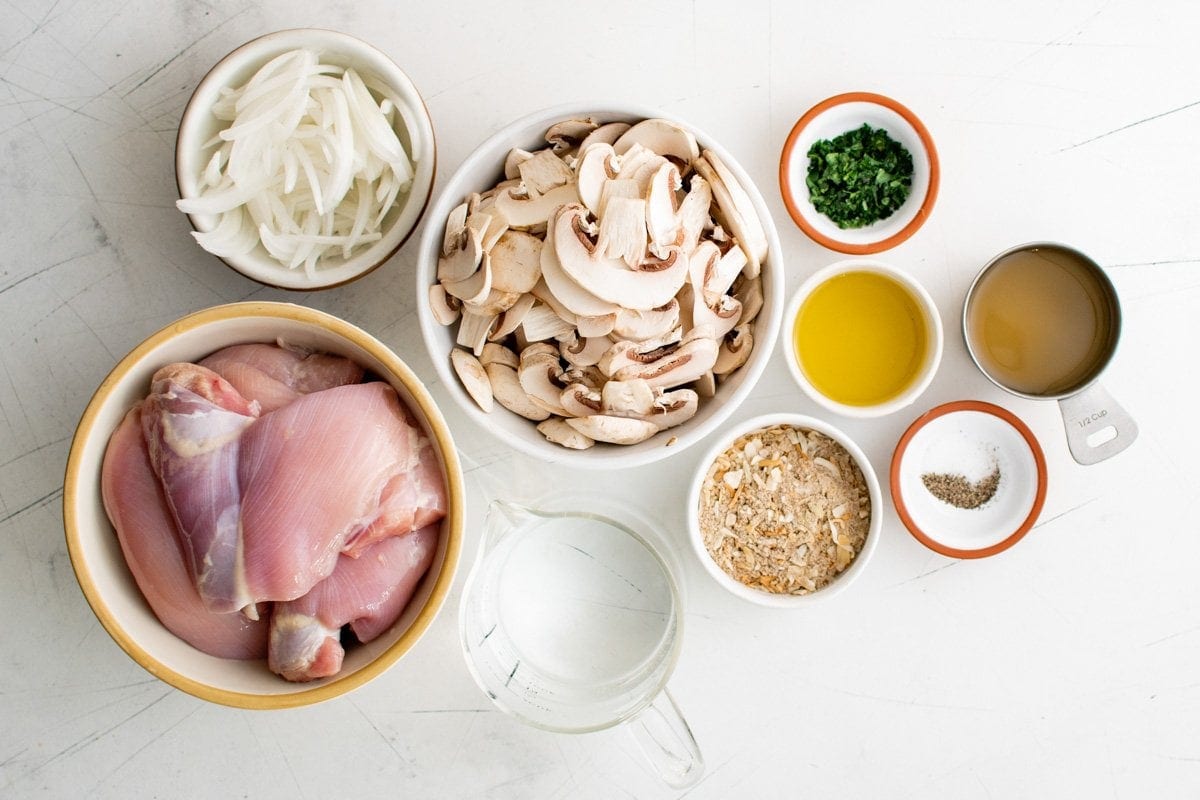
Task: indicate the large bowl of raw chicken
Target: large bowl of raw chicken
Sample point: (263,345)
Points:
(263,506)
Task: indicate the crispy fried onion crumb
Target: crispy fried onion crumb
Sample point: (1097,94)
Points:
(784,510)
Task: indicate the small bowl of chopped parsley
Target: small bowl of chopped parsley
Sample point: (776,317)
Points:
(859,173)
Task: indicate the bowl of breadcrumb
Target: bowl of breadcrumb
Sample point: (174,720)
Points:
(784,510)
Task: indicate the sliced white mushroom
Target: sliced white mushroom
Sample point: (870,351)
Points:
(710,305)
(706,385)
(606,134)
(558,431)
(475,288)
(652,284)
(498,354)
(580,400)
(456,224)
(751,297)
(639,165)
(572,296)
(583,351)
(615,430)
(544,171)
(506,389)
(684,364)
(513,317)
(614,189)
(662,207)
(516,261)
(590,377)
(542,292)
(662,137)
(622,354)
(736,209)
(538,374)
(445,307)
(674,408)
(473,331)
(623,230)
(596,327)
(542,323)
(524,211)
(695,212)
(638,326)
(567,135)
(496,302)
(513,160)
(596,166)
(735,350)
(627,398)
(464,257)
(473,376)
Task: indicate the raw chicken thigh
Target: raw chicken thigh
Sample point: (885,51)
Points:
(281,486)
(134,501)
(276,375)
(367,592)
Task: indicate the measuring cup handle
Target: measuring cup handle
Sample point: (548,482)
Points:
(667,742)
(1097,427)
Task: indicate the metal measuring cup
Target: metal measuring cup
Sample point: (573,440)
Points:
(1097,427)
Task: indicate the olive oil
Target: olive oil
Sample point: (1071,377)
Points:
(861,338)
(1040,321)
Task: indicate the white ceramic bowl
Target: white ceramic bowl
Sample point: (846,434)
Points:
(96,554)
(199,126)
(482,169)
(969,438)
(759,596)
(833,117)
(933,345)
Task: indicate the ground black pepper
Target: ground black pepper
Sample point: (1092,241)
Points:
(960,492)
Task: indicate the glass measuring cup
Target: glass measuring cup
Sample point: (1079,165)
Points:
(572,622)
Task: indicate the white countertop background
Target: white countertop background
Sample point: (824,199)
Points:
(1067,666)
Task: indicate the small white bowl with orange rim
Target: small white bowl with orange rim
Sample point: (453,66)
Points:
(831,118)
(969,444)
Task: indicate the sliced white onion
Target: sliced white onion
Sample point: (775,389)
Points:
(309,165)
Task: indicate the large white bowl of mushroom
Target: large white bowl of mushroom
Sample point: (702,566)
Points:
(600,287)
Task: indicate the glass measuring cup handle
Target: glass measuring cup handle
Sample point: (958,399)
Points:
(667,742)
(1097,427)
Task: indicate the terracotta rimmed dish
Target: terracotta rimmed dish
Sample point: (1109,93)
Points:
(759,596)
(198,126)
(96,554)
(970,438)
(833,117)
(483,168)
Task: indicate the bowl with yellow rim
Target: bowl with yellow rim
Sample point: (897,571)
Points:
(96,554)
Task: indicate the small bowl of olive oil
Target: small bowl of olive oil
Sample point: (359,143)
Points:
(863,338)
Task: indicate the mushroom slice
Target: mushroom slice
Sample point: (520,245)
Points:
(456,224)
(542,292)
(516,262)
(623,230)
(498,354)
(513,160)
(558,431)
(542,323)
(496,302)
(538,374)
(662,207)
(694,212)
(615,430)
(649,285)
(527,211)
(639,165)
(445,307)
(473,289)
(566,135)
(544,171)
(663,137)
(639,326)
(473,331)
(735,350)
(710,305)
(606,134)
(596,166)
(506,388)
(751,296)
(596,327)
(706,385)
(674,408)
(616,187)
(683,364)
(473,376)
(565,290)
(580,400)
(464,257)
(511,319)
(736,209)
(583,351)
(590,377)
(632,398)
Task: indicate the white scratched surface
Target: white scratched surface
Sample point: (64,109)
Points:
(1067,666)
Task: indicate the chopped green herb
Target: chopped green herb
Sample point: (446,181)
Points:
(859,177)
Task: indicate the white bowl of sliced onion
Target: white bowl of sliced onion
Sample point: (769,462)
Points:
(305,159)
